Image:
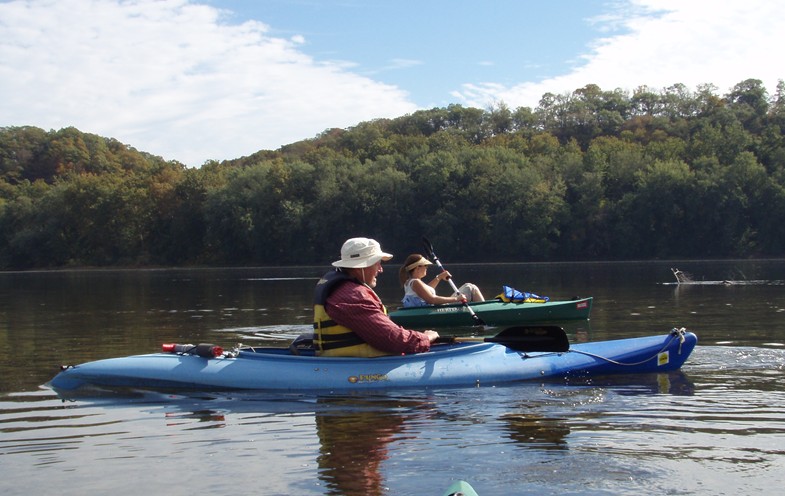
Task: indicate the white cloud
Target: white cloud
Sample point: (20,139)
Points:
(664,42)
(172,78)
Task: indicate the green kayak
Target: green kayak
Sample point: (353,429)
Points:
(460,488)
(494,313)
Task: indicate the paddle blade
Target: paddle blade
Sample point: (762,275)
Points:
(428,248)
(533,338)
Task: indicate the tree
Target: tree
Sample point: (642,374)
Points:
(19,148)
(748,100)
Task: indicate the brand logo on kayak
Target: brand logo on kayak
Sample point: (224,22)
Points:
(582,304)
(448,309)
(355,379)
(663,358)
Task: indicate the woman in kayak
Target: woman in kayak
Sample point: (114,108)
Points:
(417,293)
(349,317)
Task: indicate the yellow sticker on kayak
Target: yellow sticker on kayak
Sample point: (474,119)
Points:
(663,358)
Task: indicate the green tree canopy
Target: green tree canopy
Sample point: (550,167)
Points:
(593,174)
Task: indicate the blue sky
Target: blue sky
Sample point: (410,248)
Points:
(430,48)
(198,80)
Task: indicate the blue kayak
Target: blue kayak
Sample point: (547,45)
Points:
(454,365)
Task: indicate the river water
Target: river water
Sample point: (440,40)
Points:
(715,427)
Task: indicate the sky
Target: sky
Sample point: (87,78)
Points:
(201,80)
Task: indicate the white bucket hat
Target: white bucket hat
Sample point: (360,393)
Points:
(361,252)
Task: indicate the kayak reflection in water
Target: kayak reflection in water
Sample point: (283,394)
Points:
(418,293)
(349,317)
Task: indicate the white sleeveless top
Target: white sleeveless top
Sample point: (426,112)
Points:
(410,298)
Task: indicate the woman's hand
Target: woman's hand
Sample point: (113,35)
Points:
(441,276)
(432,335)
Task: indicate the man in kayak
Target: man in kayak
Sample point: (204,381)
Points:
(349,317)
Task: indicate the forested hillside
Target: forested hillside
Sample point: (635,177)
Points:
(590,175)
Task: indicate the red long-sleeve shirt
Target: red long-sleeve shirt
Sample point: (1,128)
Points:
(357,307)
